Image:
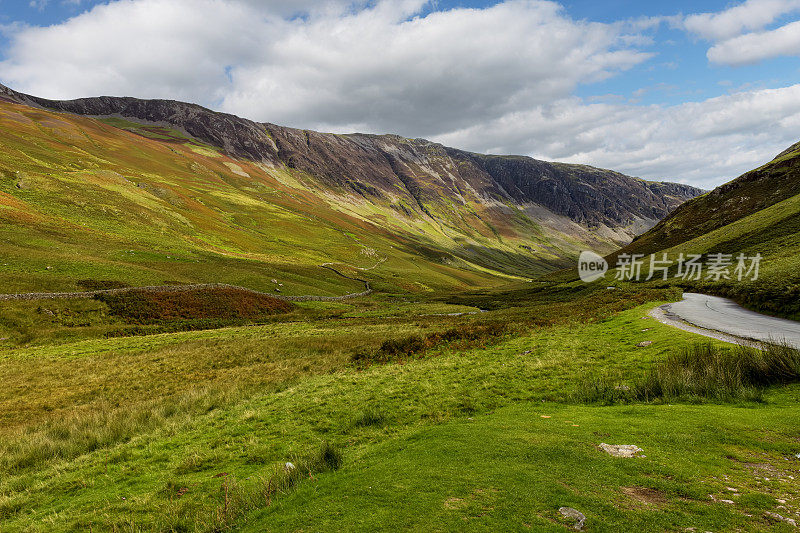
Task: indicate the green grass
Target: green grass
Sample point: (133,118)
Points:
(156,430)
(450,399)
(702,372)
(511,470)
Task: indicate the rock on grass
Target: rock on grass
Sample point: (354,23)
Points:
(621,450)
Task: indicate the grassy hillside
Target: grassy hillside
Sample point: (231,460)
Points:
(84,202)
(154,191)
(754,191)
(758,213)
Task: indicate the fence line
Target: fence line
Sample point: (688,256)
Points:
(176,288)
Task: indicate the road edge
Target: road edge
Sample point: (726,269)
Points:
(663,314)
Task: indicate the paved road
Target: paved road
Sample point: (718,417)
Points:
(720,314)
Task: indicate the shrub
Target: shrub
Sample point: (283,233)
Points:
(152,307)
(464,336)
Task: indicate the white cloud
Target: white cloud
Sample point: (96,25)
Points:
(751,15)
(381,68)
(755,47)
(148,48)
(498,79)
(738,32)
(377,70)
(313,8)
(703,143)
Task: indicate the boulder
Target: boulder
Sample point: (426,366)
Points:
(579,517)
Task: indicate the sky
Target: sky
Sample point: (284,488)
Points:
(695,92)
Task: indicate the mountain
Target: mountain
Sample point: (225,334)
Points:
(231,189)
(757,213)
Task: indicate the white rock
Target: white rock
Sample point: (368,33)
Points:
(620,450)
(579,517)
(776,516)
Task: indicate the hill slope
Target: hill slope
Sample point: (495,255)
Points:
(123,187)
(757,213)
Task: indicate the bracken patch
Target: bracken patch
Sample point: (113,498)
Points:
(146,307)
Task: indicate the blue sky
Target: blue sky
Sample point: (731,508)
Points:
(692,91)
(680,72)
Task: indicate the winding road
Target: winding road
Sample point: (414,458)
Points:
(709,315)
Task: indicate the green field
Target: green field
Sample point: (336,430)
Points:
(188,431)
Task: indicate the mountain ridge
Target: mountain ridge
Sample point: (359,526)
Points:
(370,164)
(107,181)
(753,191)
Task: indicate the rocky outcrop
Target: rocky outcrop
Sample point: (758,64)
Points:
(583,193)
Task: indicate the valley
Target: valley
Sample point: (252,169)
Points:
(213,324)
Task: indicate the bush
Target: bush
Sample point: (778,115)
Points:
(153,307)
(464,336)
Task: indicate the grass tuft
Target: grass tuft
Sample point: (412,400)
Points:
(66,438)
(237,499)
(702,372)
(370,416)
